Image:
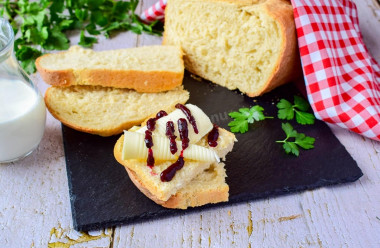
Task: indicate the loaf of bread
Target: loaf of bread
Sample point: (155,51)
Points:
(144,69)
(107,111)
(248,45)
(196,184)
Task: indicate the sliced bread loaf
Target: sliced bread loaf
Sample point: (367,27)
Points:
(108,111)
(196,184)
(248,45)
(144,69)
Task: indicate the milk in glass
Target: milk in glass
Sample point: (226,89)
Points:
(22,109)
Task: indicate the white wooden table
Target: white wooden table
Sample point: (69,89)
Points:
(35,206)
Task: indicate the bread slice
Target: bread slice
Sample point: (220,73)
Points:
(194,185)
(144,69)
(208,187)
(248,45)
(108,111)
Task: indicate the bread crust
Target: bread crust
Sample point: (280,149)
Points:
(179,200)
(288,65)
(102,132)
(141,81)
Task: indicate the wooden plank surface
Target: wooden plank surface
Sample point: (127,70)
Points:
(35,206)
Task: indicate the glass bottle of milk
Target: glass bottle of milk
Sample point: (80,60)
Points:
(22,109)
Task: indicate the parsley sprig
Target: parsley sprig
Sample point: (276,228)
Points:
(294,140)
(245,116)
(42,25)
(287,110)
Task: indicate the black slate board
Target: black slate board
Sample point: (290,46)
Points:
(102,195)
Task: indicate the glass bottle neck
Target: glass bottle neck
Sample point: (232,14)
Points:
(6,40)
(10,69)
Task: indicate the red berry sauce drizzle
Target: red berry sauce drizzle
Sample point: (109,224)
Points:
(189,117)
(149,143)
(170,134)
(151,125)
(161,114)
(168,174)
(213,136)
(183,133)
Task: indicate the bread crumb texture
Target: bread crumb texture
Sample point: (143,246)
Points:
(236,44)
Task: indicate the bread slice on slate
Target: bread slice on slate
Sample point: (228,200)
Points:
(108,111)
(248,45)
(196,184)
(144,69)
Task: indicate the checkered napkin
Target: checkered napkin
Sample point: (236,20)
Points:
(155,12)
(341,77)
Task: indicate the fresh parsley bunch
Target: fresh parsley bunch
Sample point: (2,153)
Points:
(42,26)
(286,110)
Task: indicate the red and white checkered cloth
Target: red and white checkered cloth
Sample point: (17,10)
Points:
(341,77)
(155,12)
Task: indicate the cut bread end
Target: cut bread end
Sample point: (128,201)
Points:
(144,69)
(245,45)
(108,111)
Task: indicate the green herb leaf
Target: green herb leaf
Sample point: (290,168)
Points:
(301,103)
(91,29)
(286,111)
(86,41)
(56,8)
(245,116)
(133,4)
(305,118)
(299,140)
(81,14)
(239,115)
(57,40)
(291,148)
(289,131)
(98,18)
(304,141)
(34,35)
(65,24)
(239,125)
(256,114)
(94,4)
(111,27)
(27,55)
(137,28)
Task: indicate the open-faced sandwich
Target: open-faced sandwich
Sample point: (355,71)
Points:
(174,159)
